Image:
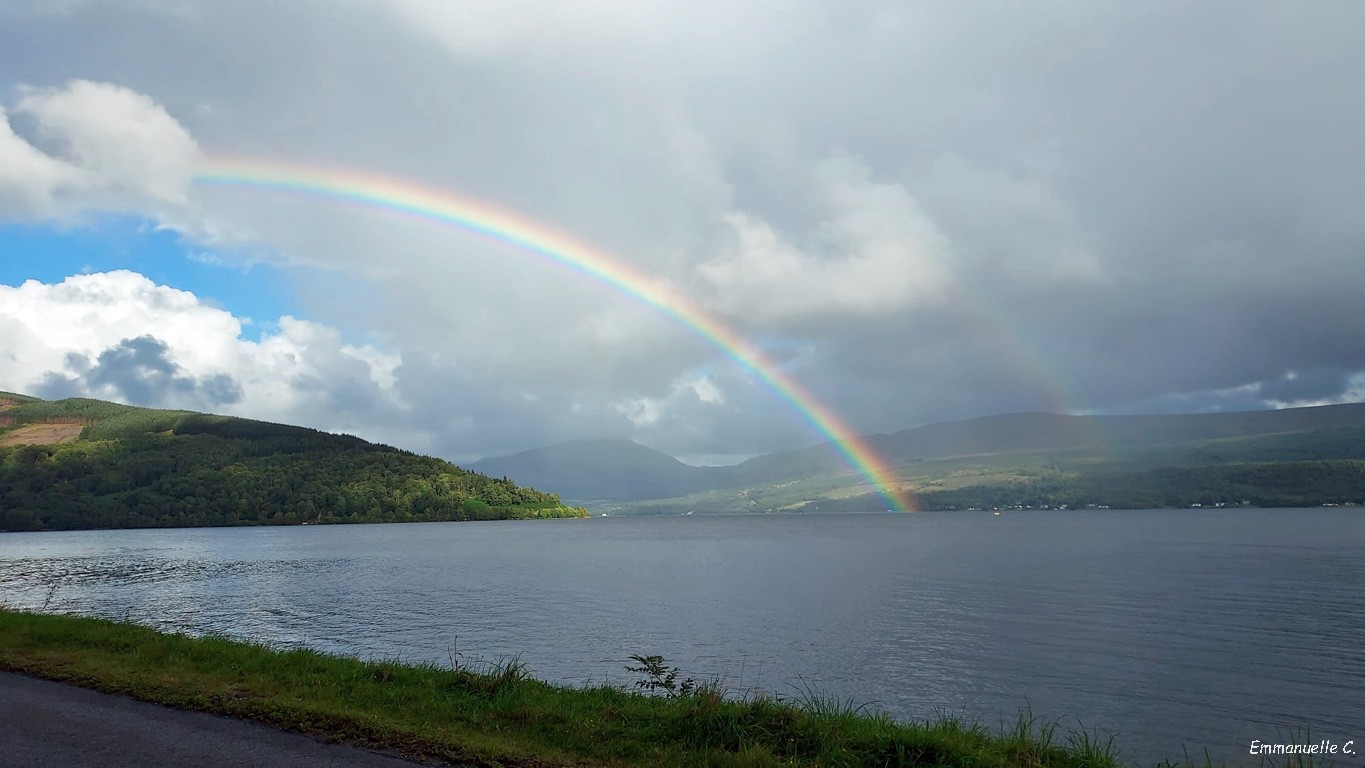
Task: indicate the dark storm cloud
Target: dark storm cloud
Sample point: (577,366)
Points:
(1309,386)
(139,371)
(1065,205)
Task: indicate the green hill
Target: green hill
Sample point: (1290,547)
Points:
(79,463)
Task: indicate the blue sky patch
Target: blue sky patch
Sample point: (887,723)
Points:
(49,254)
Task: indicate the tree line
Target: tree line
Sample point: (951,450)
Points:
(140,468)
(1259,484)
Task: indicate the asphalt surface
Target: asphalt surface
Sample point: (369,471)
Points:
(52,725)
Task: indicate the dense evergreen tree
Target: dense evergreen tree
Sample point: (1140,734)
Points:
(137,467)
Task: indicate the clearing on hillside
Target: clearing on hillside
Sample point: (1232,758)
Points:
(41,434)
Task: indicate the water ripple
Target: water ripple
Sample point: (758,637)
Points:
(1164,627)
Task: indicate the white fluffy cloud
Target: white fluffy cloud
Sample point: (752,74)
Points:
(949,213)
(118,335)
(690,390)
(94,146)
(31,179)
(873,252)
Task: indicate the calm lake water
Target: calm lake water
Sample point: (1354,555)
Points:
(1169,629)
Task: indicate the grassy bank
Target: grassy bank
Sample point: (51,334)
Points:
(499,716)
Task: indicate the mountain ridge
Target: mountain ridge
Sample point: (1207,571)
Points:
(1183,438)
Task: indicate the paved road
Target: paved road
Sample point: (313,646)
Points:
(52,725)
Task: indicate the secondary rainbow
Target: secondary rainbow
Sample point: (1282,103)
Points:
(506,228)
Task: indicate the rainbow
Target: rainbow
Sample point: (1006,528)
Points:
(506,228)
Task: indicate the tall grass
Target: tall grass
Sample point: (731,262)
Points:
(497,714)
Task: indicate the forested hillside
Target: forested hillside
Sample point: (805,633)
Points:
(138,467)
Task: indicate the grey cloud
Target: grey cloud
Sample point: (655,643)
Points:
(1291,388)
(139,371)
(1306,386)
(57,386)
(1143,206)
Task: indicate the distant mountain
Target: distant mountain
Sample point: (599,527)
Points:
(1034,432)
(1050,432)
(998,456)
(585,470)
(80,463)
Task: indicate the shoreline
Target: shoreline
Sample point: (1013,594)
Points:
(576,510)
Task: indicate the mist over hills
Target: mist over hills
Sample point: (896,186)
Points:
(1001,451)
(602,469)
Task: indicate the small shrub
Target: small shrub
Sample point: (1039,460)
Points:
(660,677)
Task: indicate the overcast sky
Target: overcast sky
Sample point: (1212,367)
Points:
(925,211)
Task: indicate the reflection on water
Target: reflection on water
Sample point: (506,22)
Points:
(23,573)
(197,595)
(1167,628)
